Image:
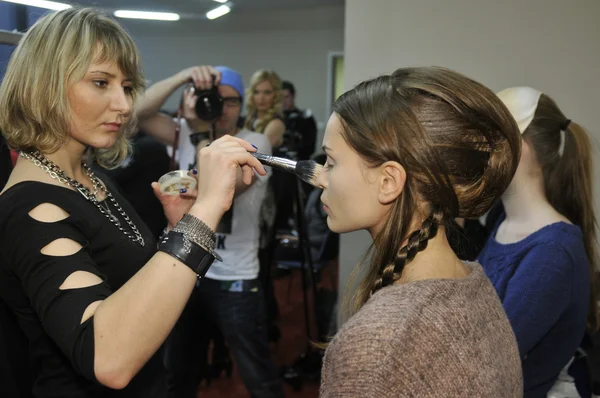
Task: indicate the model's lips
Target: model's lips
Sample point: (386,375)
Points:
(326,209)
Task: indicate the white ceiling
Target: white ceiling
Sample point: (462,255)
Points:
(197,8)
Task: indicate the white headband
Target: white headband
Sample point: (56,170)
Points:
(522,103)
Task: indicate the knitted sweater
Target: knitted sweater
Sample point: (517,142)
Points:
(429,338)
(544,284)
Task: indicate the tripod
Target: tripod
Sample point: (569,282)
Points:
(308,364)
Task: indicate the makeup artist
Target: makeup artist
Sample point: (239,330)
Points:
(77,266)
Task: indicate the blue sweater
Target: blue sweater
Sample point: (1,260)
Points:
(543,282)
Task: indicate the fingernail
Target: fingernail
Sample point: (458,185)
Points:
(195,171)
(183,190)
(255,147)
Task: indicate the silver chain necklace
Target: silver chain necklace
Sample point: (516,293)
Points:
(55,172)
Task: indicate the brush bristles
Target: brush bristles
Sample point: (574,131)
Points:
(308,171)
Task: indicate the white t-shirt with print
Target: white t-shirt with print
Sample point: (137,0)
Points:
(239,248)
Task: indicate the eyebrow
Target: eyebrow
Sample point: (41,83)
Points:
(104,73)
(108,74)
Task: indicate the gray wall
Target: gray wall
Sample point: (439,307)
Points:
(552,45)
(294,43)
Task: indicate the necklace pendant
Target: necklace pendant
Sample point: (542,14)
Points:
(114,218)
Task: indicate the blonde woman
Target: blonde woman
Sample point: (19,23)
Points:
(264,103)
(78,267)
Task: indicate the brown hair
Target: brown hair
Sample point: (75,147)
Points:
(567,177)
(53,55)
(274,111)
(457,141)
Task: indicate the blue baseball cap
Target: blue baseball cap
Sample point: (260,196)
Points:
(230,77)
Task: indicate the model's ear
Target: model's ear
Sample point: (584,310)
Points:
(392,179)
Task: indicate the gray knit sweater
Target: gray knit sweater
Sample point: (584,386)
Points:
(429,338)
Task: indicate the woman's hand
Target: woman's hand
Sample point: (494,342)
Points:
(175,206)
(218,166)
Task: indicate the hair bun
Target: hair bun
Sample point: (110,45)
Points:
(476,200)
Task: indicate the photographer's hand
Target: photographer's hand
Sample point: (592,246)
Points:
(149,103)
(196,124)
(204,78)
(201,76)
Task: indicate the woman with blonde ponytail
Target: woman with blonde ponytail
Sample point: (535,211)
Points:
(541,254)
(406,154)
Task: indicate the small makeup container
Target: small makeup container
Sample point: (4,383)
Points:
(173,182)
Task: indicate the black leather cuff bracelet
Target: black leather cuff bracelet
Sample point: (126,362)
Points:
(197,258)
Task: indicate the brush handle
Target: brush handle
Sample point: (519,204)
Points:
(276,162)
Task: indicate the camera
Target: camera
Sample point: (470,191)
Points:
(292,142)
(292,137)
(209,105)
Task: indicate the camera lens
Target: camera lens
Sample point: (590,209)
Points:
(209,105)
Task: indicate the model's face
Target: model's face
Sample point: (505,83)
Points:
(351,189)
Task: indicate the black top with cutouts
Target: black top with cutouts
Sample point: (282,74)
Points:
(61,348)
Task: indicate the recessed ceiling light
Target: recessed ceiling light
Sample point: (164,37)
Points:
(218,12)
(222,1)
(157,16)
(51,5)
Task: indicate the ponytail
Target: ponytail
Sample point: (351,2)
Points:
(569,191)
(563,149)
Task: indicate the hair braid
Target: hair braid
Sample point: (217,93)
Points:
(417,241)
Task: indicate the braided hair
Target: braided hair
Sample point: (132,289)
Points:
(417,241)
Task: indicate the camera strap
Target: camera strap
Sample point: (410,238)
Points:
(175,145)
(213,129)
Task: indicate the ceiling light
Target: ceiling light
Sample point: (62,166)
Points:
(51,5)
(218,12)
(222,1)
(157,16)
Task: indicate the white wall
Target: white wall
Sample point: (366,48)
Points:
(294,43)
(553,45)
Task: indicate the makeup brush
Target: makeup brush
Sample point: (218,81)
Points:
(306,170)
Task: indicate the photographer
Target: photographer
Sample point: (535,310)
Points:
(163,127)
(301,129)
(231,295)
